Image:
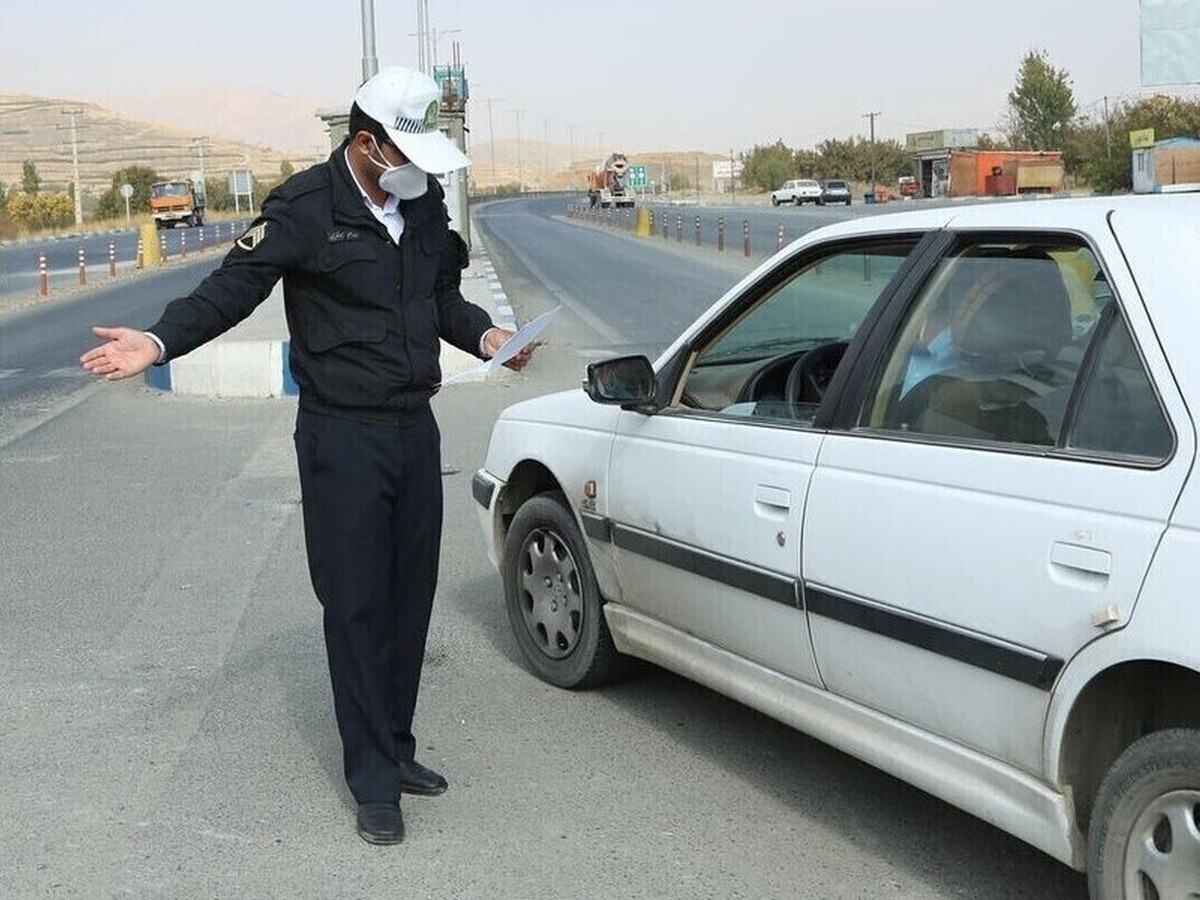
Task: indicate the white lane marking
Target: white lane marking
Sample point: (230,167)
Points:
(8,373)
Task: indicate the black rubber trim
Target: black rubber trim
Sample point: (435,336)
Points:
(1026,666)
(776,588)
(482,490)
(597,527)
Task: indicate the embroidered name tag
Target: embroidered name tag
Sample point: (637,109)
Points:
(342,234)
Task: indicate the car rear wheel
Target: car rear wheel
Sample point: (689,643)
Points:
(552,597)
(774,201)
(1144,839)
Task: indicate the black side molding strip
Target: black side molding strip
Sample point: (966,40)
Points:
(777,588)
(597,527)
(1026,666)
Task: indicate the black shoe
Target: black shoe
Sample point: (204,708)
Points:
(380,823)
(416,779)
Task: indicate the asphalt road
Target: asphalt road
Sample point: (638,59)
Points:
(168,726)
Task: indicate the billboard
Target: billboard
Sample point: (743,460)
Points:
(1170,42)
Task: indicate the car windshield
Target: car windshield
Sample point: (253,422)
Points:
(838,185)
(173,189)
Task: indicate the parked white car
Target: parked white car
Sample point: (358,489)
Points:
(797,191)
(922,485)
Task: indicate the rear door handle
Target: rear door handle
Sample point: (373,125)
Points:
(774,497)
(1083,559)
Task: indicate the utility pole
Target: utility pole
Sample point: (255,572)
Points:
(492,139)
(732,178)
(1107,134)
(871,116)
(520,173)
(422,29)
(200,143)
(75,163)
(370,64)
(436,36)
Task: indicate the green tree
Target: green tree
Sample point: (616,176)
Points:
(286,169)
(1041,106)
(31,181)
(111,205)
(3,195)
(766,168)
(677,181)
(1098,152)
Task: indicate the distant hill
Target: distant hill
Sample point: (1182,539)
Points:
(36,129)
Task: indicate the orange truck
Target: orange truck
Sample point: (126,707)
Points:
(172,202)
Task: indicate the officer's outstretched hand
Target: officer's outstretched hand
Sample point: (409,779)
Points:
(124,353)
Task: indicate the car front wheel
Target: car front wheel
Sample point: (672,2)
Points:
(774,201)
(1144,839)
(552,597)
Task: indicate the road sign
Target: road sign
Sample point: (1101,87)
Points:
(637,176)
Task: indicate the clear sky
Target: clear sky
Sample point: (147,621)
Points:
(618,74)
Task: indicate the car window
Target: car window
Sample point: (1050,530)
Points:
(1119,412)
(993,348)
(775,359)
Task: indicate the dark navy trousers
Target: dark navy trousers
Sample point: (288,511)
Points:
(372,499)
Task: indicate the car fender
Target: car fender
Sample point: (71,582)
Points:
(1163,629)
(570,437)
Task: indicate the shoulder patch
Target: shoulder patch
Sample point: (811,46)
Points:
(253,236)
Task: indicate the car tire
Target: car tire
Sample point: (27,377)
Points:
(552,598)
(1147,816)
(774,201)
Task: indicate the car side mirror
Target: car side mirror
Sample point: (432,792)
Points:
(627,381)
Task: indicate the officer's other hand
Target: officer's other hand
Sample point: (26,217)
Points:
(124,353)
(495,339)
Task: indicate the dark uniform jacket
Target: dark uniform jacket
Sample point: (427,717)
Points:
(364,314)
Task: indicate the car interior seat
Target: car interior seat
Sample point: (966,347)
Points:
(1007,330)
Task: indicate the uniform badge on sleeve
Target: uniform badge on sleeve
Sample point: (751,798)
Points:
(253,236)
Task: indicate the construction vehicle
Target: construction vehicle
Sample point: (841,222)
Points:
(172,202)
(607,183)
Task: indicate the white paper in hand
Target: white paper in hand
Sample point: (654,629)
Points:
(524,336)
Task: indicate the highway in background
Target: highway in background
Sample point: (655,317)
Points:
(19,261)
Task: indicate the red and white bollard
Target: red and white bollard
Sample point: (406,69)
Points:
(201,239)
(162,246)
(746,237)
(720,234)
(697,231)
(43,277)
(678,228)
(112,260)
(779,239)
(82,267)
(141,256)
(183,245)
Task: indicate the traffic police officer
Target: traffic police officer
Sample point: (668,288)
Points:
(371,276)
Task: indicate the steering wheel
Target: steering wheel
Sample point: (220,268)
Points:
(810,375)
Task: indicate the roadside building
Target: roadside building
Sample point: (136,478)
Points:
(951,165)
(1166,167)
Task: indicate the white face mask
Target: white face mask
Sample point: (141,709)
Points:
(405,182)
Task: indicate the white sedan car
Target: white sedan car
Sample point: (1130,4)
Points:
(922,486)
(798,191)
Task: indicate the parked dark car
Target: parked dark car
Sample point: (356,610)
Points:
(835,190)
